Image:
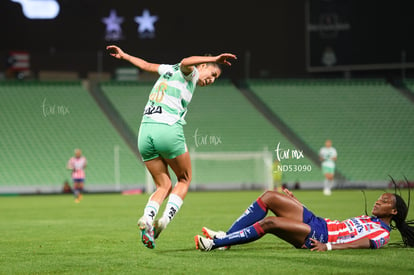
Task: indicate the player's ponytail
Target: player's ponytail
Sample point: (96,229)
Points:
(399,222)
(405,227)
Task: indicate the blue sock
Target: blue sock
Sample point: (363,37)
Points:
(246,235)
(254,213)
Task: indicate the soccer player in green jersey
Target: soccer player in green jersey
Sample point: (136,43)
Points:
(161,140)
(328,156)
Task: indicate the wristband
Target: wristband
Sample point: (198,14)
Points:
(328,246)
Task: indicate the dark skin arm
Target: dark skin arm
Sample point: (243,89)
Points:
(359,244)
(290,194)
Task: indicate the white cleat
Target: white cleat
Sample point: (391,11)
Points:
(147,233)
(327,191)
(211,234)
(159,226)
(203,244)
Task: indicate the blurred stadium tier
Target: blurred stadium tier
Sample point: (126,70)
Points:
(369,121)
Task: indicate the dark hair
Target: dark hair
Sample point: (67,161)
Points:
(213,63)
(405,227)
(399,222)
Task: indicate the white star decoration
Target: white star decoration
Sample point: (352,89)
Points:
(113,26)
(146,22)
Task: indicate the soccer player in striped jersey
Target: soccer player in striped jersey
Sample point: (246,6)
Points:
(298,226)
(77,165)
(161,140)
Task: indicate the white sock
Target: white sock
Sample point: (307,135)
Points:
(173,205)
(151,210)
(326,184)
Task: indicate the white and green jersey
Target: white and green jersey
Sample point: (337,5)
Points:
(170,95)
(328,154)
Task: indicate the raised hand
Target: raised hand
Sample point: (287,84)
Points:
(115,51)
(222,58)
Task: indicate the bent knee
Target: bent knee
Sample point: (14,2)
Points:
(269,224)
(185,178)
(268,196)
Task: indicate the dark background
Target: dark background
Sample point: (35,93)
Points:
(269,37)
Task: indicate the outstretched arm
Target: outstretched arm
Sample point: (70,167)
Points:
(118,53)
(188,63)
(359,244)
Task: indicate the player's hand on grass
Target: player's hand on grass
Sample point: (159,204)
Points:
(318,246)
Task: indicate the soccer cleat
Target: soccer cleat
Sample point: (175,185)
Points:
(213,234)
(327,191)
(224,248)
(147,233)
(203,244)
(159,226)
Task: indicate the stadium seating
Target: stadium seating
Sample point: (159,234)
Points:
(219,119)
(370,123)
(41,125)
(129,99)
(410,85)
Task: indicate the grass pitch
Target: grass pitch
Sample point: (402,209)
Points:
(50,234)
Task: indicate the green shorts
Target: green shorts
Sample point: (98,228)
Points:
(158,139)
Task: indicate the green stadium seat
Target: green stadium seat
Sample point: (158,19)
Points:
(42,124)
(370,123)
(219,119)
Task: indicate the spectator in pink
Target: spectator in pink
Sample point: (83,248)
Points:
(77,164)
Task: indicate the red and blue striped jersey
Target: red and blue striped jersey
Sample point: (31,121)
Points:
(357,228)
(77,165)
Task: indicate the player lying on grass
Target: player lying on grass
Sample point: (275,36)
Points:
(298,226)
